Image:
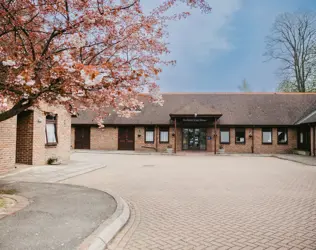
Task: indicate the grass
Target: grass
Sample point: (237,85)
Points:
(8,191)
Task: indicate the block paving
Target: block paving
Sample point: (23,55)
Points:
(204,202)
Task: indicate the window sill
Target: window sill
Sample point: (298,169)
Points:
(51,145)
(267,143)
(282,143)
(163,142)
(149,142)
(226,143)
(240,143)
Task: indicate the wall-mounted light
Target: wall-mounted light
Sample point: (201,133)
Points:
(139,133)
(39,120)
(250,134)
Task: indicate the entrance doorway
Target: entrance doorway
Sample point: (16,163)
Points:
(194,138)
(304,138)
(126,138)
(82,138)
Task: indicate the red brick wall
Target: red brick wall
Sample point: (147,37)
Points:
(24,138)
(7,144)
(107,138)
(104,138)
(259,148)
(140,144)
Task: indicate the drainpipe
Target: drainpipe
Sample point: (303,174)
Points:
(215,135)
(156,133)
(314,139)
(175,135)
(253,138)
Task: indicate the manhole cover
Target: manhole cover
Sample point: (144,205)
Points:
(148,166)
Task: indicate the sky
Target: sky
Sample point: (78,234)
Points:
(216,51)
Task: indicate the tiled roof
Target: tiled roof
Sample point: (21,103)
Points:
(195,107)
(236,108)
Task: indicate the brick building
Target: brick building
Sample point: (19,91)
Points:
(239,122)
(34,136)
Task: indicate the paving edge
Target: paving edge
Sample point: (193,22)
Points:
(293,160)
(103,235)
(21,202)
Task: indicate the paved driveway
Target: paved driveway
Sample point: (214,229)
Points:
(208,202)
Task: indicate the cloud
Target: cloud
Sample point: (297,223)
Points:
(198,40)
(200,34)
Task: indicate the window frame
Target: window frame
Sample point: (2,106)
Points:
(149,129)
(220,135)
(163,129)
(51,121)
(271,131)
(287,136)
(237,142)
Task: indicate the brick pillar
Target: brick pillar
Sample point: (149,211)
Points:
(24,138)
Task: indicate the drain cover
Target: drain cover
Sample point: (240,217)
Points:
(148,166)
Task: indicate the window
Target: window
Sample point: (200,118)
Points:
(240,135)
(301,137)
(150,135)
(51,130)
(266,136)
(164,135)
(282,136)
(224,136)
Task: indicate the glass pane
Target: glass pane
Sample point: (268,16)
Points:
(266,137)
(190,138)
(149,136)
(240,135)
(224,137)
(164,136)
(203,139)
(185,138)
(301,137)
(51,133)
(282,136)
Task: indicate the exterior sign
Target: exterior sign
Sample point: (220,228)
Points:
(194,120)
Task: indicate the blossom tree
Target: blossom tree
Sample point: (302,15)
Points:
(82,54)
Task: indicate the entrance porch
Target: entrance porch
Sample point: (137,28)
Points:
(198,125)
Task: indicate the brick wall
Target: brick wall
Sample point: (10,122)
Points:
(104,138)
(259,148)
(7,144)
(24,138)
(107,139)
(140,144)
(73,137)
(62,150)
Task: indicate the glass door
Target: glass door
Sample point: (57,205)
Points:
(194,139)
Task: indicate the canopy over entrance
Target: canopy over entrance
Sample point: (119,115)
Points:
(194,118)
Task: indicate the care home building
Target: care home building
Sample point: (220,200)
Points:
(34,136)
(237,122)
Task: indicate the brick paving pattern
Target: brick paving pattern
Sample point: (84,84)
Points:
(203,202)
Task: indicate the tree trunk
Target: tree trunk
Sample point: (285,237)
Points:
(19,107)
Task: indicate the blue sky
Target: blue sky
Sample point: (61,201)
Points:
(215,52)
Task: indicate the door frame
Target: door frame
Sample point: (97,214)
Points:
(118,137)
(195,149)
